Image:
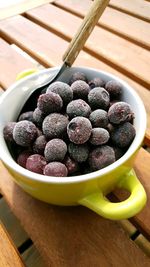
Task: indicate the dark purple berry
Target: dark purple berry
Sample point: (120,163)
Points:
(26,116)
(101,157)
(119,152)
(79,130)
(55,125)
(120,112)
(49,103)
(24,133)
(55,150)
(71,164)
(38,117)
(99,118)
(114,88)
(39,145)
(8,131)
(123,135)
(39,132)
(62,89)
(78,108)
(36,163)
(96,82)
(110,128)
(56,169)
(99,136)
(78,76)
(22,158)
(78,152)
(98,98)
(80,89)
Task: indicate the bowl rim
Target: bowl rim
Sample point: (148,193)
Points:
(10,162)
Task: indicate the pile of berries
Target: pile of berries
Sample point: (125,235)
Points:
(76,128)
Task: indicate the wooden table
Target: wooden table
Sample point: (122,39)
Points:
(65,237)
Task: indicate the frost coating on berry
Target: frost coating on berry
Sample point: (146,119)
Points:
(55,150)
(38,117)
(49,103)
(80,89)
(123,135)
(96,82)
(62,89)
(26,116)
(79,130)
(36,163)
(114,88)
(99,136)
(55,125)
(39,145)
(101,157)
(78,108)
(56,169)
(8,131)
(98,98)
(99,118)
(78,76)
(120,112)
(24,133)
(78,152)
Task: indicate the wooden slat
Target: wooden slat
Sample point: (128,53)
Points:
(71,236)
(123,55)
(32,258)
(12,9)
(143,243)
(147,138)
(8,254)
(119,23)
(12,224)
(11,63)
(137,8)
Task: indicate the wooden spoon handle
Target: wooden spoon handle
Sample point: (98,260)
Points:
(84,31)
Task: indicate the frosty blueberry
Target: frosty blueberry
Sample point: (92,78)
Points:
(24,133)
(55,150)
(99,136)
(123,135)
(56,169)
(36,163)
(78,152)
(8,131)
(120,112)
(78,108)
(62,89)
(80,89)
(98,98)
(99,118)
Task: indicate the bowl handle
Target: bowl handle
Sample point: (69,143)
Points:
(122,210)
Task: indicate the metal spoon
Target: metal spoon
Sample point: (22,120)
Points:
(73,49)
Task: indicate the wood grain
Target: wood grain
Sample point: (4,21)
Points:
(9,256)
(32,258)
(143,243)
(147,138)
(71,236)
(129,28)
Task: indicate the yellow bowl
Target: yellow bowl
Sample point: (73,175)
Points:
(90,189)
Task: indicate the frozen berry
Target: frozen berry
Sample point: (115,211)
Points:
(22,158)
(110,127)
(38,117)
(78,152)
(39,145)
(80,89)
(96,82)
(79,130)
(8,131)
(123,135)
(62,89)
(49,103)
(26,116)
(71,164)
(78,76)
(114,88)
(101,157)
(99,118)
(56,169)
(98,98)
(99,136)
(24,133)
(120,112)
(55,150)
(36,163)
(119,152)
(39,132)
(55,125)
(78,108)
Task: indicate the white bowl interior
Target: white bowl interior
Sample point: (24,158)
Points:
(12,101)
